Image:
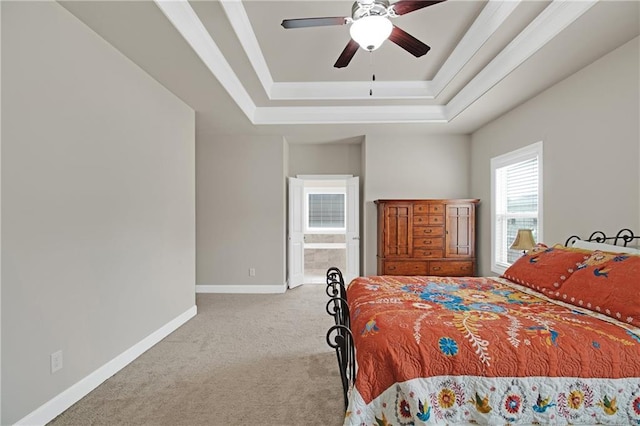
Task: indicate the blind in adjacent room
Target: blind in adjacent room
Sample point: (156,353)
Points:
(326,211)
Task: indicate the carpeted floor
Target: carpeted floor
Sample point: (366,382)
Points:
(243,360)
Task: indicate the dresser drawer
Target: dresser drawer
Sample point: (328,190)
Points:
(436,208)
(427,252)
(428,209)
(451,269)
(428,220)
(428,231)
(428,242)
(420,209)
(405,268)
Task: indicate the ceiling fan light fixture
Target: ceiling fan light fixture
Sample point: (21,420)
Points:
(371,31)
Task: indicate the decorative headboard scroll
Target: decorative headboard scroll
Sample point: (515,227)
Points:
(622,238)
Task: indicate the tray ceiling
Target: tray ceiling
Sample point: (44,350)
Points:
(286,77)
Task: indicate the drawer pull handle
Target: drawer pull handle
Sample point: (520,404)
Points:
(427,231)
(391,268)
(436,268)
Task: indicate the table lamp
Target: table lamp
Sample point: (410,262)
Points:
(524,241)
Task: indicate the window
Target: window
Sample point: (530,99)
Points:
(516,184)
(325,211)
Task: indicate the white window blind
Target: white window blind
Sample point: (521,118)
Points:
(517,195)
(326,211)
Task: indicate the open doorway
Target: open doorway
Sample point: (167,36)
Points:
(323,227)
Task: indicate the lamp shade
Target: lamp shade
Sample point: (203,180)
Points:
(371,31)
(524,240)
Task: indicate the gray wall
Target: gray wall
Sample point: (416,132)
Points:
(325,158)
(590,128)
(240,210)
(430,166)
(98,204)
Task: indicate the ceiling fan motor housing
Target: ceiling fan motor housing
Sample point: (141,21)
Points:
(364,8)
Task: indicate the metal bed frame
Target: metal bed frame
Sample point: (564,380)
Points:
(623,236)
(340,337)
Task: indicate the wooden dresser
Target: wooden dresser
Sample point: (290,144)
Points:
(427,237)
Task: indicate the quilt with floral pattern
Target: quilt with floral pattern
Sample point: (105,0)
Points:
(485,350)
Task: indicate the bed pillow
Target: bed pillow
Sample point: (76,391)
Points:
(590,245)
(545,268)
(607,283)
(588,252)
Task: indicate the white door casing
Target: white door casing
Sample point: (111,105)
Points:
(296,232)
(353,229)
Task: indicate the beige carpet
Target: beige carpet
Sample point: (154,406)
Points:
(243,360)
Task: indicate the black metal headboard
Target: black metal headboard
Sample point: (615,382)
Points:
(622,238)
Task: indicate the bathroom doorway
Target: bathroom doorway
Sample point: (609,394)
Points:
(323,228)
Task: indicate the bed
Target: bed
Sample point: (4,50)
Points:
(555,340)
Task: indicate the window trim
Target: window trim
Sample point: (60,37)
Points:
(323,190)
(522,154)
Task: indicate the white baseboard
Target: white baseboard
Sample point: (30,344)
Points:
(55,406)
(242,289)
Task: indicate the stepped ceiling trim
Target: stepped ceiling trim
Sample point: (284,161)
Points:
(490,19)
(549,23)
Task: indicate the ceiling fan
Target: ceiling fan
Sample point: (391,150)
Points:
(370,26)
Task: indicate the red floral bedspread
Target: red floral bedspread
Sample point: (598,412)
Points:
(442,349)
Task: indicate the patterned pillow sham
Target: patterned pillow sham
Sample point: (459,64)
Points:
(545,268)
(608,283)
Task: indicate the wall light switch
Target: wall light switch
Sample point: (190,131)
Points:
(252,272)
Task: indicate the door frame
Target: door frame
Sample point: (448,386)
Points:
(295,233)
(293,280)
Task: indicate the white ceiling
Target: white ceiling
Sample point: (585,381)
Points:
(242,72)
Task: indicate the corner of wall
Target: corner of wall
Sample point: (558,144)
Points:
(1,422)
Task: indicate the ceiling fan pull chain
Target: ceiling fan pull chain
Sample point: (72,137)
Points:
(373,73)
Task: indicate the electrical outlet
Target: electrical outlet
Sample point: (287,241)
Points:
(252,272)
(56,361)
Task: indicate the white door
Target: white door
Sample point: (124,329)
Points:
(353,230)
(296,232)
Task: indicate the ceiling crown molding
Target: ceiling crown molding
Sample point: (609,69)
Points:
(352,90)
(553,19)
(237,15)
(486,24)
(350,115)
(549,23)
(492,16)
(185,20)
